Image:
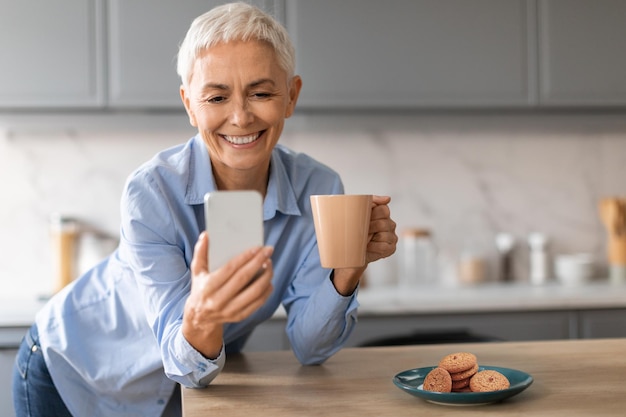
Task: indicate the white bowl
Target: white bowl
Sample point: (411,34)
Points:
(574,269)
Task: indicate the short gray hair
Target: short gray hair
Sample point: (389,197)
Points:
(232,22)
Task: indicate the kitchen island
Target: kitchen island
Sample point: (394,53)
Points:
(512,312)
(571,378)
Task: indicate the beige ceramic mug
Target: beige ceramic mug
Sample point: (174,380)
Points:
(342,226)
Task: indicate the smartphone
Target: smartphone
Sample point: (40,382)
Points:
(234,222)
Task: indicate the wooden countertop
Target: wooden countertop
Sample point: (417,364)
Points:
(571,378)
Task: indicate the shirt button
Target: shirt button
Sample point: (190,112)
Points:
(161,402)
(34,348)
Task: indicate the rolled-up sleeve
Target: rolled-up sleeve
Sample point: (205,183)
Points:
(201,370)
(320,320)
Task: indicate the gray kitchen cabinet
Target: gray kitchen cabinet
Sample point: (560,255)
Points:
(582,52)
(352,54)
(414,53)
(96,53)
(509,326)
(10,338)
(7,357)
(269,335)
(144,36)
(52,54)
(375,329)
(602,323)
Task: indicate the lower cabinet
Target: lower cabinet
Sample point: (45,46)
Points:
(10,339)
(269,335)
(460,327)
(595,324)
(7,356)
(405,329)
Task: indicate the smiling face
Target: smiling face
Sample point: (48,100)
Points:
(238,97)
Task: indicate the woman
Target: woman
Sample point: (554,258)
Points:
(119,339)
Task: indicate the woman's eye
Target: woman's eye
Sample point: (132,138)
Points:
(216,100)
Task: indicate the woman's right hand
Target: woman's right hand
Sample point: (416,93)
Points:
(228,294)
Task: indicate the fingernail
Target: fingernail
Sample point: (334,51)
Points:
(266,264)
(268,250)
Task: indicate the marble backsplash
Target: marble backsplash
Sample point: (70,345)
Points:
(465,176)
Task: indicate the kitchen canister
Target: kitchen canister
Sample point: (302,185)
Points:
(613,215)
(64,232)
(418,258)
(472,268)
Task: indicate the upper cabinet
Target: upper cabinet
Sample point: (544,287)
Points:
(413,53)
(143,43)
(582,52)
(52,54)
(96,53)
(144,36)
(351,54)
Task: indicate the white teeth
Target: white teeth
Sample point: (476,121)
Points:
(241,140)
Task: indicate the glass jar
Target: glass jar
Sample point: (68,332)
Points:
(418,258)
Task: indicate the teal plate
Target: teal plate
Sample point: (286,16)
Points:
(411,381)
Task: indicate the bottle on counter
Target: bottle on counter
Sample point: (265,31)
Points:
(613,215)
(64,233)
(505,243)
(418,258)
(538,257)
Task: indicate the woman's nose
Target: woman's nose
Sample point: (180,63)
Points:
(240,114)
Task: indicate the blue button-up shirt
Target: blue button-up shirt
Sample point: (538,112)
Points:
(112,339)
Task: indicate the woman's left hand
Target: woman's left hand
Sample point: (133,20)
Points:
(382,233)
(381,244)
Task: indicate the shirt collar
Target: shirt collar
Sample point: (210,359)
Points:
(200,180)
(280,193)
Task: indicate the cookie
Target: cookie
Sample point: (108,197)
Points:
(488,380)
(438,380)
(458,362)
(458,385)
(458,376)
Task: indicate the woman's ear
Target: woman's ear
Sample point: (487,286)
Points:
(295,85)
(185,98)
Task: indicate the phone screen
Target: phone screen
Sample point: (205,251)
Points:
(234,222)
